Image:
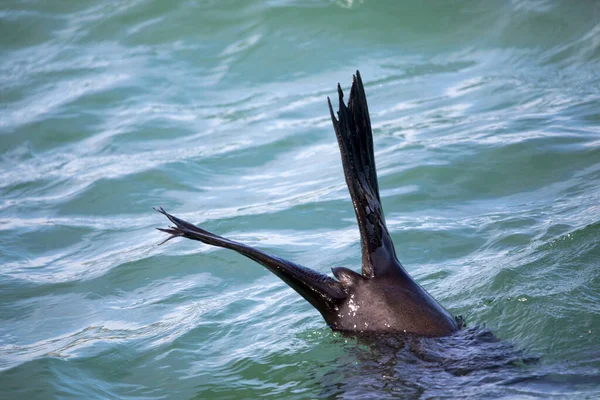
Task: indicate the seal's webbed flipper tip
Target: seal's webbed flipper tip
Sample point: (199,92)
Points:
(331,112)
(172,232)
(357,77)
(340,94)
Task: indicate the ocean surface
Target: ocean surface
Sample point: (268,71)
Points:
(486,118)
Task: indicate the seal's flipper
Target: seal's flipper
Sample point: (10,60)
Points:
(319,290)
(355,138)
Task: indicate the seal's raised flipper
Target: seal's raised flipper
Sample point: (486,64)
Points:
(355,138)
(322,291)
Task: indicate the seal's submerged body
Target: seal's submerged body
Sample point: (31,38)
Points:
(384,298)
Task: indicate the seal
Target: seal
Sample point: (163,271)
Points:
(383,297)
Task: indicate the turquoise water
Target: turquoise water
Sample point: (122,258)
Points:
(486,121)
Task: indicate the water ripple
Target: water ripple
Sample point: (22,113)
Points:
(486,138)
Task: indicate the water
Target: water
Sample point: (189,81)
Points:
(487,136)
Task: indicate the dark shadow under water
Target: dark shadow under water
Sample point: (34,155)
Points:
(472,362)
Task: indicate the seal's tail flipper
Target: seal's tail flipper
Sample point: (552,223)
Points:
(355,138)
(319,290)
